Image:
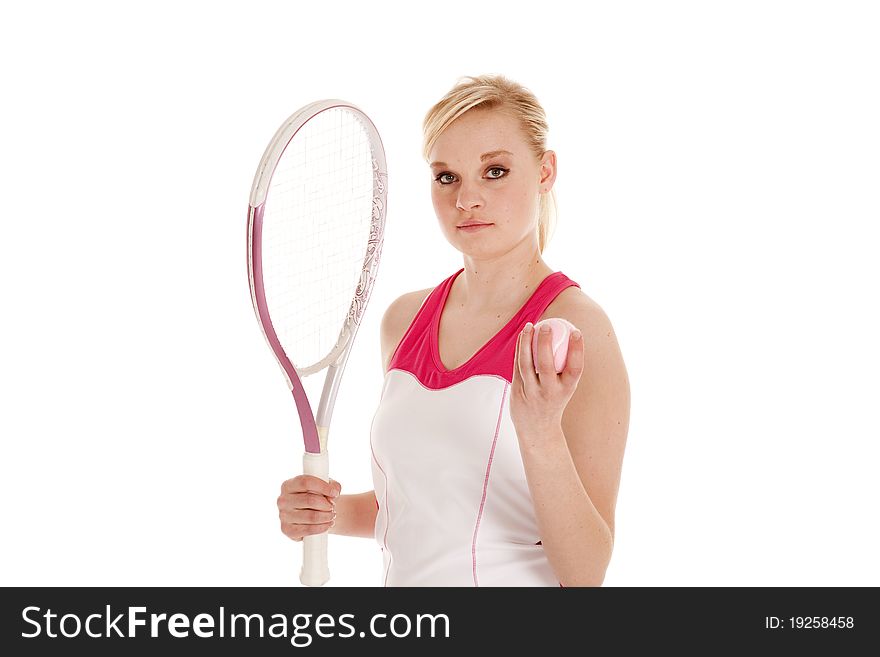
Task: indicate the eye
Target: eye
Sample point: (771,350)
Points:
(500,173)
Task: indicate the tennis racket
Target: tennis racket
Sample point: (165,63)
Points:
(316,221)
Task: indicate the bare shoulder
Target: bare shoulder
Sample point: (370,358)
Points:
(602,355)
(581,310)
(397,318)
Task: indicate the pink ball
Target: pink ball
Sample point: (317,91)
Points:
(560,330)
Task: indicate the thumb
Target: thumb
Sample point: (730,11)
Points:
(335,488)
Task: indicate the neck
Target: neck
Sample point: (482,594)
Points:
(501,282)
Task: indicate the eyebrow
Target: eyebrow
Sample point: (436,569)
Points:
(484,156)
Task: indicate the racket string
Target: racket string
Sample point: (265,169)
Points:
(316,234)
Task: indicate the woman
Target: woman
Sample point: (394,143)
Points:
(488,470)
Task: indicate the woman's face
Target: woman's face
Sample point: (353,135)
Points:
(483,172)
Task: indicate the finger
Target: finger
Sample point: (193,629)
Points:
(311,530)
(309,483)
(574,362)
(314,501)
(525,361)
(517,382)
(544,357)
(298,532)
(516,377)
(306,516)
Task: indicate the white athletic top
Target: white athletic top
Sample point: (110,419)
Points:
(454,504)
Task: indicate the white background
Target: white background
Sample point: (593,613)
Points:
(718,190)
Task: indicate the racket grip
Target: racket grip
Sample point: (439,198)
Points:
(315,571)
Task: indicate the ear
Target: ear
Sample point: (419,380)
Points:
(548,171)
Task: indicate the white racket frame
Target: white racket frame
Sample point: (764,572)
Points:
(315,569)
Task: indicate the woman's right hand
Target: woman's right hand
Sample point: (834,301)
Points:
(307,506)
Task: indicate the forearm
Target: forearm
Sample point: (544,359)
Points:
(355,515)
(576,538)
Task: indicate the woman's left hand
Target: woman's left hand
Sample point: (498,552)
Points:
(538,399)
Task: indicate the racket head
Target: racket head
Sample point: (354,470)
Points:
(316,222)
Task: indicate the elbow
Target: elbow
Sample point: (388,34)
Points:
(590,575)
(591,572)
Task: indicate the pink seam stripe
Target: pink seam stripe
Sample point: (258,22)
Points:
(385,535)
(486,485)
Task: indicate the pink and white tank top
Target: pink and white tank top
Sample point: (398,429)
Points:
(454,504)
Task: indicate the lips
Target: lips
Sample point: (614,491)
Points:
(476,223)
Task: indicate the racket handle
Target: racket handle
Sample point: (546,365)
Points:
(315,571)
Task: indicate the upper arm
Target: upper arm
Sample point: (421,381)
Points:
(396,320)
(596,420)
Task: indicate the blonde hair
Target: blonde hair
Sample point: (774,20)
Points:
(490,92)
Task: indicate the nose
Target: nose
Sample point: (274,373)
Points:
(468,199)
